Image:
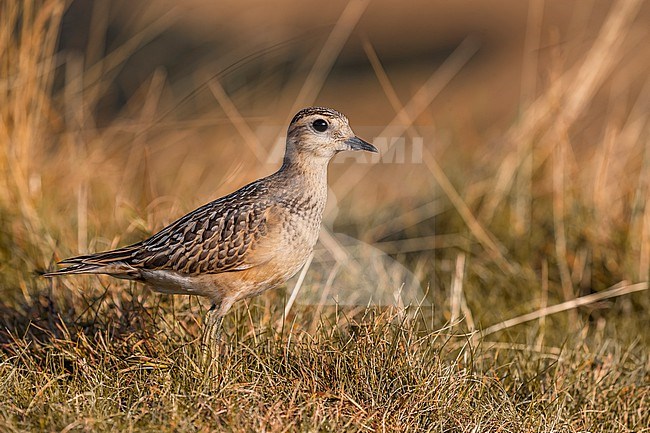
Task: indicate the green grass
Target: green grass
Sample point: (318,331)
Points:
(527,225)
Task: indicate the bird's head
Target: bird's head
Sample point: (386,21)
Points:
(318,132)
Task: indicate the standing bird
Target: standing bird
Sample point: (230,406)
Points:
(246,242)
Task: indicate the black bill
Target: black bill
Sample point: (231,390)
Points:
(356,143)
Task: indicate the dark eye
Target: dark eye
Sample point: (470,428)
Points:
(320,125)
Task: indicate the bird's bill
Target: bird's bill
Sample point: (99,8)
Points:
(355,143)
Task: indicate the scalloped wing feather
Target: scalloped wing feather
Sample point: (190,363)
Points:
(220,236)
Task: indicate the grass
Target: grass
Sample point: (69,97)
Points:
(126,372)
(534,257)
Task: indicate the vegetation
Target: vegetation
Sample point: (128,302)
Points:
(534,262)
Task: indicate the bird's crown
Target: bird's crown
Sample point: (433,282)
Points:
(311,111)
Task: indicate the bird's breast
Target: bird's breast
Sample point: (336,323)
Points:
(302,221)
(297,223)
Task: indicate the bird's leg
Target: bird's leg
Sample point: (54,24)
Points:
(211,333)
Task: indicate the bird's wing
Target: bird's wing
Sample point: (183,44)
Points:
(220,236)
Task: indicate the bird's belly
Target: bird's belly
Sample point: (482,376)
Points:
(171,282)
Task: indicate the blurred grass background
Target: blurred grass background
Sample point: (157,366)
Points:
(531,190)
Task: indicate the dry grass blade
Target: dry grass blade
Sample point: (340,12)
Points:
(457,287)
(559,200)
(481,234)
(329,53)
(614,292)
(543,304)
(406,219)
(298,285)
(424,243)
(385,83)
(523,198)
(237,119)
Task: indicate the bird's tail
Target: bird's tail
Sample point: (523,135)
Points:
(115,262)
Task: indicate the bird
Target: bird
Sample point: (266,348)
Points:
(244,243)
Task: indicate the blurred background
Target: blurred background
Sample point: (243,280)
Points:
(514,171)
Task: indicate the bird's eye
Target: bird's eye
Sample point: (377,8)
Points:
(320,125)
